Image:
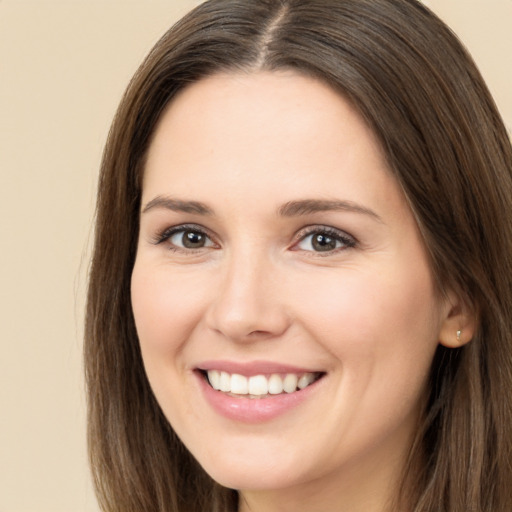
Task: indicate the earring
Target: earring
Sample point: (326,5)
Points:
(459,333)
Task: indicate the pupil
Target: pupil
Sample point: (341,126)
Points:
(324,243)
(193,239)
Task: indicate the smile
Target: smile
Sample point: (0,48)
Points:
(259,386)
(256,391)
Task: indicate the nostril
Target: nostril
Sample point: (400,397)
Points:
(259,333)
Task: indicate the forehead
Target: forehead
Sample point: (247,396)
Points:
(283,102)
(248,132)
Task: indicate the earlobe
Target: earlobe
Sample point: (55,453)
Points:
(459,325)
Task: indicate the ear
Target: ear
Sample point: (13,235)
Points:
(459,324)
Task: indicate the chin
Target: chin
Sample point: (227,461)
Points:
(252,474)
(254,480)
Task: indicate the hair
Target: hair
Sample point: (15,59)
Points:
(418,89)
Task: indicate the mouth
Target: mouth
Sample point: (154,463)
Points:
(259,386)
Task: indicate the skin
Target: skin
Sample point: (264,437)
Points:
(366,312)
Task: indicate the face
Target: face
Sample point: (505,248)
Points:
(283,300)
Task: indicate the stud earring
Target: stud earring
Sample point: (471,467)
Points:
(459,333)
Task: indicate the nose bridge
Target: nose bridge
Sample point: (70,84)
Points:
(248,301)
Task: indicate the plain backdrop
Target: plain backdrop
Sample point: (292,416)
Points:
(63,68)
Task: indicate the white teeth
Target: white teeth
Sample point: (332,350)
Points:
(275,385)
(225,382)
(305,380)
(214,378)
(239,384)
(259,385)
(290,383)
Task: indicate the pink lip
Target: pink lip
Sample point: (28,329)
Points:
(248,369)
(257,410)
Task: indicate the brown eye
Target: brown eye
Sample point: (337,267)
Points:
(188,238)
(322,242)
(193,240)
(325,240)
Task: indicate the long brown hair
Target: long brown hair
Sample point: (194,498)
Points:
(416,86)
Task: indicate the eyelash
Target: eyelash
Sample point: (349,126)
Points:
(347,241)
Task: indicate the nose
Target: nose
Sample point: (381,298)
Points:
(249,304)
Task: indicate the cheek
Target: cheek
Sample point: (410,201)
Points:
(381,327)
(382,332)
(368,306)
(166,308)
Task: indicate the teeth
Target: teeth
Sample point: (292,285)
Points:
(225,382)
(305,380)
(275,385)
(290,383)
(214,378)
(259,385)
(239,384)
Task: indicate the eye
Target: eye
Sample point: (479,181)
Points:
(185,238)
(324,240)
(189,239)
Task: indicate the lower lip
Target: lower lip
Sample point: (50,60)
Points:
(254,410)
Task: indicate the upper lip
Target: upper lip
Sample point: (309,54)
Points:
(251,368)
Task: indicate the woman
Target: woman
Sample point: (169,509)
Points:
(301,283)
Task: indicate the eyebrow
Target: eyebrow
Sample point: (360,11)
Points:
(309,206)
(177,205)
(289,209)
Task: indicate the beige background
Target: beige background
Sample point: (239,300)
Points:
(63,67)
